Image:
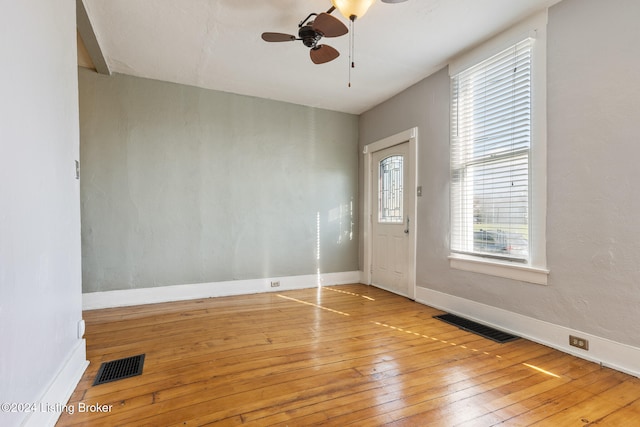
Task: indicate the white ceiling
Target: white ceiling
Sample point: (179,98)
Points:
(216,44)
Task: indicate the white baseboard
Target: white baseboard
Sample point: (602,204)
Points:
(55,398)
(608,353)
(129,297)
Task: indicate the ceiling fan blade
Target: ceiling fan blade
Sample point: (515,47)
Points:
(277,37)
(323,53)
(329,26)
(393,1)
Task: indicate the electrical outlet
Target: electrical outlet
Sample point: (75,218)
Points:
(275,284)
(578,342)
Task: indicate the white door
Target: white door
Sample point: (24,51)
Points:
(390,222)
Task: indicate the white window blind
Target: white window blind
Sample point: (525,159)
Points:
(490,141)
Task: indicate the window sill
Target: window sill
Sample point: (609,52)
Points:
(499,268)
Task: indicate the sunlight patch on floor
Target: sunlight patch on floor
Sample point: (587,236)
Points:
(313,305)
(348,293)
(541,370)
(434,339)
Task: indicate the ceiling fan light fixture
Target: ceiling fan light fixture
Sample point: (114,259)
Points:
(352,9)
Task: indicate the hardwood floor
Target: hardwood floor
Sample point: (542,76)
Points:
(337,356)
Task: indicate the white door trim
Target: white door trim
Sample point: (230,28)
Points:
(410,136)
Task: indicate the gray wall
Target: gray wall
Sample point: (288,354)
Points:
(40,291)
(593,249)
(185,185)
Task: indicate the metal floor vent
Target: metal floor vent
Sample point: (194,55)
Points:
(476,328)
(120,369)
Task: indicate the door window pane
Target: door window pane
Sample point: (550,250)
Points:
(390,190)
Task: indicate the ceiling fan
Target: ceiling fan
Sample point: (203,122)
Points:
(310,32)
(325,25)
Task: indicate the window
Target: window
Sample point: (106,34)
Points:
(490,142)
(498,155)
(390,190)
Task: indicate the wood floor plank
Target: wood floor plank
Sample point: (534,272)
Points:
(336,356)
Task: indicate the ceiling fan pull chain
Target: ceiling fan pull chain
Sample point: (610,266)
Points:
(352,44)
(350,65)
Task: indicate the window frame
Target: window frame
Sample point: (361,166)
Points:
(535,269)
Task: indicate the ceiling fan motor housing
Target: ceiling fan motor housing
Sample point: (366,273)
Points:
(309,36)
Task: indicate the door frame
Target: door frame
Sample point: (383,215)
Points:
(410,136)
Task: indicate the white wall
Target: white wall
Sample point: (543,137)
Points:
(594,146)
(593,205)
(41,356)
(183,185)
